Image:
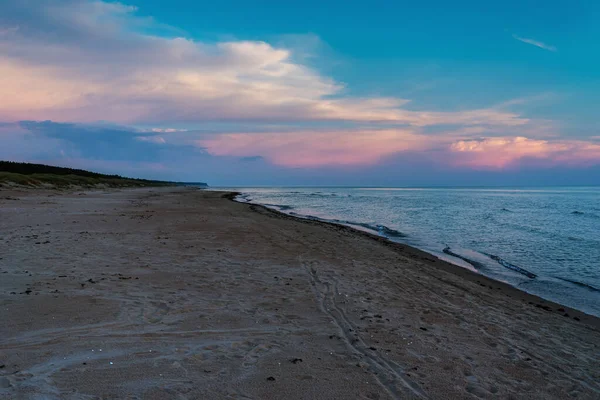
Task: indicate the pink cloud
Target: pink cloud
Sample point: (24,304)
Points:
(368,147)
(501,152)
(310,149)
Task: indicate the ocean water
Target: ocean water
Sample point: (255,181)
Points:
(545,241)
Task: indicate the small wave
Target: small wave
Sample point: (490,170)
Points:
(474,263)
(324,194)
(244,198)
(505,210)
(314,218)
(585,285)
(524,228)
(388,232)
(585,214)
(279,207)
(306,216)
(514,267)
(380,229)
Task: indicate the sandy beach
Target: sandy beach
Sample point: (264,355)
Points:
(177,293)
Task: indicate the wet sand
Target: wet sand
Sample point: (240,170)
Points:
(174,293)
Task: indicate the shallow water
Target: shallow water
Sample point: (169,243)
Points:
(545,241)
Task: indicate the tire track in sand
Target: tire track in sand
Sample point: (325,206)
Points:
(389,374)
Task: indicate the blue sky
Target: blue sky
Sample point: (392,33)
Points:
(456,92)
(464,39)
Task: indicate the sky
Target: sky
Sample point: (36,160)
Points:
(343,93)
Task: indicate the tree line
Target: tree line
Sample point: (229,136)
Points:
(30,169)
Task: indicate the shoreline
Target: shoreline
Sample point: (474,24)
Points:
(170,293)
(472,276)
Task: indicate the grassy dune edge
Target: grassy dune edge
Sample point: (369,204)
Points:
(13,174)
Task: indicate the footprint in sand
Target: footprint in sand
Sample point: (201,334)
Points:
(157,313)
(252,357)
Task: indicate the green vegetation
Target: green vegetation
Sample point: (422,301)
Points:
(39,175)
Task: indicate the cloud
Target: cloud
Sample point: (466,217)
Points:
(83,61)
(20,144)
(314,149)
(307,149)
(502,152)
(311,149)
(152,139)
(168,130)
(236,108)
(536,43)
(96,142)
(353,157)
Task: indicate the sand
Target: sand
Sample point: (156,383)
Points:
(176,293)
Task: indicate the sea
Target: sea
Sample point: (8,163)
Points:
(545,241)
